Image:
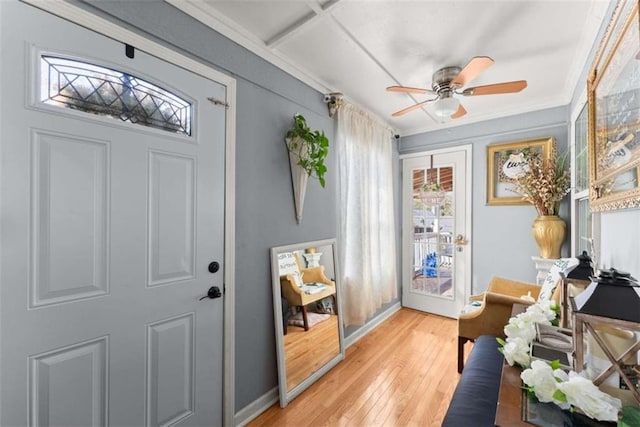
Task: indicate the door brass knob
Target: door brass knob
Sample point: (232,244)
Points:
(460,240)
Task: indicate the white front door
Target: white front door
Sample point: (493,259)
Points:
(436,229)
(109,223)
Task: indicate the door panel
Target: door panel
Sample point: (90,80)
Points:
(171,218)
(70,197)
(108,228)
(171,356)
(436,260)
(69,386)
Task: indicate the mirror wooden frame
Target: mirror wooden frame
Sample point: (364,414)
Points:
(614,123)
(287,395)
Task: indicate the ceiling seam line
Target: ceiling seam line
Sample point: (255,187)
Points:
(375,61)
(298,26)
(291,30)
(257,48)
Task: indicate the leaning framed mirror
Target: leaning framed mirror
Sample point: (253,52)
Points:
(307,314)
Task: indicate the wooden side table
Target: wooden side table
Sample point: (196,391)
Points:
(509,410)
(517,409)
(582,321)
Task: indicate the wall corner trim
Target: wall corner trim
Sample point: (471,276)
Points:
(257,407)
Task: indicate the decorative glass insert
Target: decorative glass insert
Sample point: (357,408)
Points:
(433,225)
(581,156)
(106,92)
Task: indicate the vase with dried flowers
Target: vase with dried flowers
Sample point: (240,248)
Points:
(544,183)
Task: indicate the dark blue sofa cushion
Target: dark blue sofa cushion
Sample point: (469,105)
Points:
(475,398)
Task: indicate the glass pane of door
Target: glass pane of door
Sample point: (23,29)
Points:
(433,225)
(436,227)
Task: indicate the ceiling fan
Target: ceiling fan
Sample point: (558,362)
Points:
(448,81)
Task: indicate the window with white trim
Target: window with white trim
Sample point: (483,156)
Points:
(582,219)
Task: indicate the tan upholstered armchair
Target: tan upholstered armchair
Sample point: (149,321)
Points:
(295,296)
(494,313)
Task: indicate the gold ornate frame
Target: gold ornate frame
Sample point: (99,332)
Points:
(497,183)
(613,91)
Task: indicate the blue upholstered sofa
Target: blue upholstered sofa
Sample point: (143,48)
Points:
(475,399)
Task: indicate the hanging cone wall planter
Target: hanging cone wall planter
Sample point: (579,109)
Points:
(299,178)
(307,151)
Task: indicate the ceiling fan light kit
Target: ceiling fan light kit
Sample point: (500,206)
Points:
(445,106)
(448,82)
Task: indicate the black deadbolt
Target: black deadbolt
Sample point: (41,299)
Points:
(214,267)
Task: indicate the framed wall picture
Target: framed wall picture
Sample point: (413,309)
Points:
(613,90)
(505,161)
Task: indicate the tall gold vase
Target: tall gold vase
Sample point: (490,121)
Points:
(549,232)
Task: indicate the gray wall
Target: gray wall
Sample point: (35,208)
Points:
(267,99)
(501,240)
(265,217)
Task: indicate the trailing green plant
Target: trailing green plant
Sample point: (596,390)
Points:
(310,147)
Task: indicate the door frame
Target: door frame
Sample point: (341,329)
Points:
(468,151)
(114,31)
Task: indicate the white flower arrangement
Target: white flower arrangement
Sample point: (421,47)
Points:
(521,330)
(570,390)
(548,382)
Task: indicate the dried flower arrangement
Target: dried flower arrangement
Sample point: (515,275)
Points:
(544,183)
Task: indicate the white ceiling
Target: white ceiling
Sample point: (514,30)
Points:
(361,47)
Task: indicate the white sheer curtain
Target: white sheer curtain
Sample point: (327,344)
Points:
(366,223)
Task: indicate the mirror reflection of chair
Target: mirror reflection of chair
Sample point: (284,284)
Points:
(304,355)
(296,296)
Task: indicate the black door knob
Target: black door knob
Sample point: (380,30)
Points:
(213,292)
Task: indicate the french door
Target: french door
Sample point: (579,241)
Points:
(436,230)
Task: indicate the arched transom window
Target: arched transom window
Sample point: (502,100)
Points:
(106,92)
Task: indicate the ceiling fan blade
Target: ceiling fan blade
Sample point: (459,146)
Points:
(405,89)
(411,108)
(507,87)
(472,70)
(461,112)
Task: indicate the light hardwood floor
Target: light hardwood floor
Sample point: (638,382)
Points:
(307,351)
(403,373)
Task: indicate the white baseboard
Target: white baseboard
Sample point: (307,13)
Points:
(261,404)
(371,325)
(257,407)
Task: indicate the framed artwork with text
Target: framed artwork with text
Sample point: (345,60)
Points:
(505,162)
